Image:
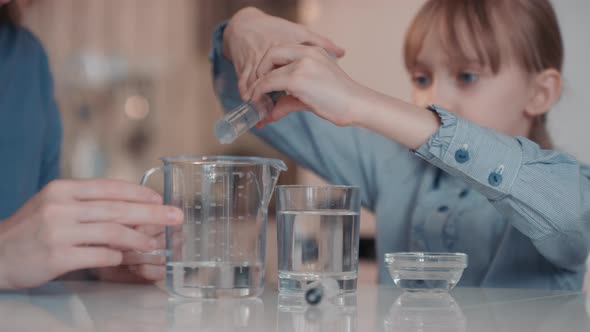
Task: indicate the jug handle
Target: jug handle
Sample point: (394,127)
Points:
(146,175)
(143,182)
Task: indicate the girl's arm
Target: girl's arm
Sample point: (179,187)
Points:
(340,155)
(545,194)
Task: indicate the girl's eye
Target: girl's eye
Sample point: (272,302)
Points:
(422,81)
(467,77)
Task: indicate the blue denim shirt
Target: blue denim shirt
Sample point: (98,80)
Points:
(521,213)
(30,127)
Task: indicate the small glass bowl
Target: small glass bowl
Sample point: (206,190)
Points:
(426,271)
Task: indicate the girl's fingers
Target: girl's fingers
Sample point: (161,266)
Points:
(244,82)
(325,43)
(279,56)
(276,80)
(284,106)
(251,80)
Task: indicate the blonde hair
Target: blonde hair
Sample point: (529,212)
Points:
(530,32)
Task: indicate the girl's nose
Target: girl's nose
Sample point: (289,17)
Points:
(442,95)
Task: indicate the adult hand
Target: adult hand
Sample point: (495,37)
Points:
(77,224)
(138,267)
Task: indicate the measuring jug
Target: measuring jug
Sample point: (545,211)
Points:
(219,250)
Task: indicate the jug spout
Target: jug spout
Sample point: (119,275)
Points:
(275,168)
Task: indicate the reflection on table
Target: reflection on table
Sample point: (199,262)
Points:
(88,306)
(425,312)
(335,314)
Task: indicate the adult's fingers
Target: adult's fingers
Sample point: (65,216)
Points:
(137,258)
(151,230)
(76,258)
(149,272)
(109,235)
(102,189)
(129,213)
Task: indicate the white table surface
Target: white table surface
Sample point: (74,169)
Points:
(89,306)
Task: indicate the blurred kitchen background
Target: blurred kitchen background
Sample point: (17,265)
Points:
(133,82)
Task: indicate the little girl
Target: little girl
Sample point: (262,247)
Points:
(467,168)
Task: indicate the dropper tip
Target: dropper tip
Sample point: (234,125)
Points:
(224,132)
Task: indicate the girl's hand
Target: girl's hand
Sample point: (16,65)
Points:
(250,33)
(314,82)
(76,224)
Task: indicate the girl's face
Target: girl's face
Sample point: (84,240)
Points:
(472,91)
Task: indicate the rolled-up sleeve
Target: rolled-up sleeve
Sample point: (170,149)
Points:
(545,194)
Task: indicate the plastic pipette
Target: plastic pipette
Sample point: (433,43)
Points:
(245,116)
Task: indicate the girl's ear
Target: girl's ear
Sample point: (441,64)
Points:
(545,92)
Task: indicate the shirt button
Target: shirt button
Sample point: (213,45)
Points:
(443,208)
(462,156)
(495,179)
(463,193)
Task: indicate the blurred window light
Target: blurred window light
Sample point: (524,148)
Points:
(309,11)
(137,107)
